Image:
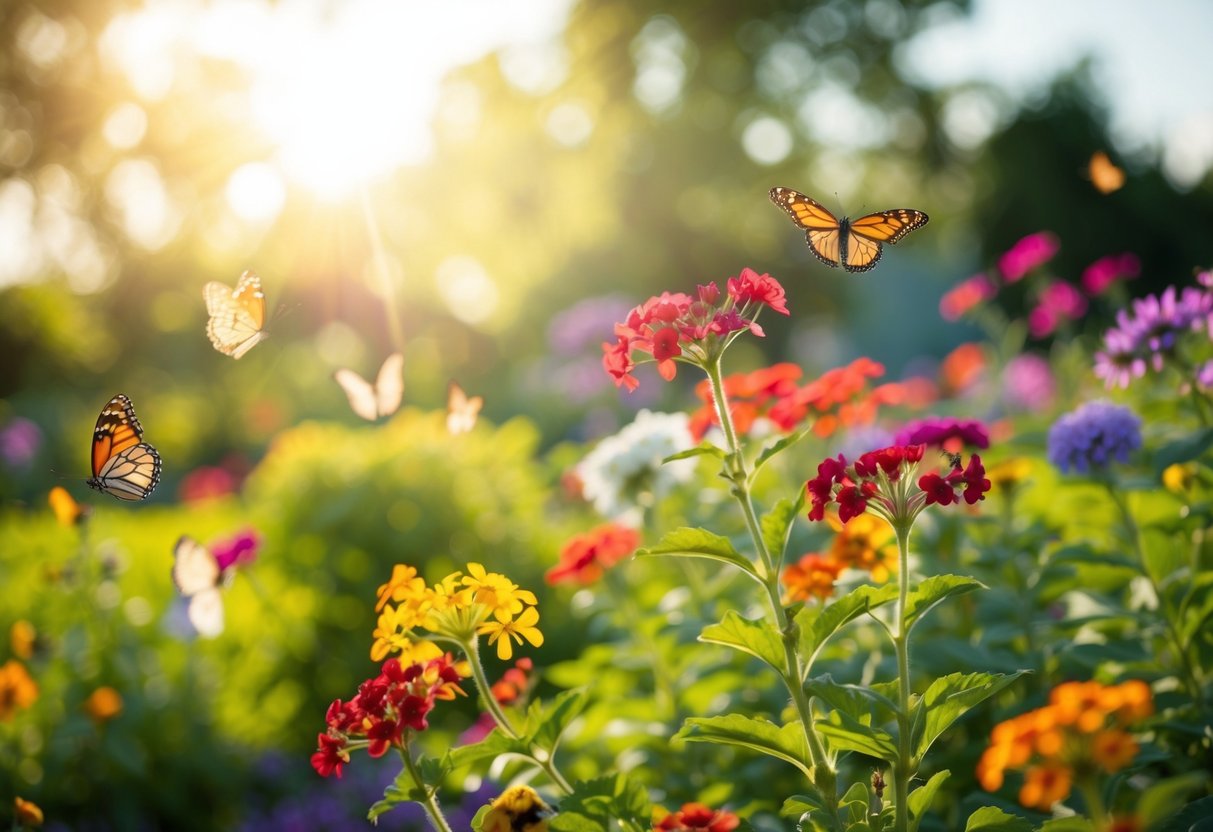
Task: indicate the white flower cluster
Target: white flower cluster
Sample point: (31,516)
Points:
(624,474)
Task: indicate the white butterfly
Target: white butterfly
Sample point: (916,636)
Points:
(461,410)
(236,315)
(380,399)
(198,577)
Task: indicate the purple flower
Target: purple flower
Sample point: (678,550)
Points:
(1149,333)
(1092,436)
(1204,375)
(1107,270)
(863,438)
(1058,302)
(238,551)
(1027,383)
(1119,362)
(581,325)
(19,443)
(1030,252)
(936,431)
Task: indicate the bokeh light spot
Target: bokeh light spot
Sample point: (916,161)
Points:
(467,289)
(767,140)
(256,192)
(125,126)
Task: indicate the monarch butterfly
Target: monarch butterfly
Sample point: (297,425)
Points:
(1104,175)
(461,410)
(381,399)
(236,315)
(123,465)
(853,244)
(198,577)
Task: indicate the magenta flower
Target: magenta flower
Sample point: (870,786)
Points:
(944,432)
(1058,302)
(19,443)
(1108,270)
(1028,384)
(1032,251)
(236,551)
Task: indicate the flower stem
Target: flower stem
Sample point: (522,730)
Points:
(1095,808)
(472,649)
(430,802)
(793,672)
(901,643)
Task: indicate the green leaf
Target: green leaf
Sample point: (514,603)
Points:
(856,804)
(593,803)
(545,727)
(860,702)
(934,589)
(704,449)
(776,448)
(1070,824)
(920,799)
(1166,797)
(993,819)
(816,624)
(478,820)
(949,697)
(489,748)
(1195,817)
(1192,446)
(799,804)
(846,733)
(758,638)
(786,743)
(400,790)
(777,524)
(700,543)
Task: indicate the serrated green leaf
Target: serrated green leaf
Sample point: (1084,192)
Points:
(934,589)
(489,748)
(816,624)
(920,799)
(786,743)
(1192,446)
(993,819)
(777,447)
(855,700)
(545,726)
(949,697)
(704,449)
(700,543)
(758,638)
(846,733)
(777,524)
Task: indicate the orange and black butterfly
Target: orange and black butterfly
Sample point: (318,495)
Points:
(237,316)
(123,464)
(853,244)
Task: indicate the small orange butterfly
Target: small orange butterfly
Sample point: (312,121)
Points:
(853,244)
(236,315)
(461,410)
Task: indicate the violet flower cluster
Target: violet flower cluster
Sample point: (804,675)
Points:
(1090,437)
(1148,335)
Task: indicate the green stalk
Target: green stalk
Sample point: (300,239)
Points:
(430,803)
(901,643)
(471,649)
(1089,790)
(793,671)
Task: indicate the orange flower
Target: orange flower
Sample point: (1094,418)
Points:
(21,637)
(1129,702)
(698,816)
(17,689)
(1113,750)
(962,367)
(864,542)
(103,704)
(585,558)
(812,577)
(991,766)
(27,812)
(1044,785)
(1078,704)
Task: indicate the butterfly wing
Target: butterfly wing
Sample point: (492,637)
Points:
(195,569)
(360,393)
(236,315)
(205,612)
(866,234)
(123,466)
(820,226)
(461,410)
(389,384)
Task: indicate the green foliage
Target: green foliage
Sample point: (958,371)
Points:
(948,698)
(699,543)
(758,638)
(993,819)
(817,624)
(785,742)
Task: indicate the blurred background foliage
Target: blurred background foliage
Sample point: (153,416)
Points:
(485,189)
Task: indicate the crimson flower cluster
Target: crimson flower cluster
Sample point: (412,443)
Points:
(397,700)
(883,483)
(675,325)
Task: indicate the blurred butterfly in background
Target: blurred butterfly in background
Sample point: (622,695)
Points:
(201,573)
(123,465)
(380,399)
(65,508)
(461,411)
(1104,175)
(236,315)
(853,244)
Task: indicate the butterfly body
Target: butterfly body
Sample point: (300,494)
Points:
(855,245)
(236,315)
(124,466)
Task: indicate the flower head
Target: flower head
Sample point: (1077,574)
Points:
(585,557)
(945,433)
(26,812)
(674,326)
(1058,303)
(502,629)
(966,295)
(239,550)
(1029,253)
(1092,436)
(518,808)
(1028,384)
(625,471)
(20,440)
(103,704)
(811,577)
(694,816)
(865,542)
(1100,275)
(17,690)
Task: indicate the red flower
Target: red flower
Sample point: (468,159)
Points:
(617,360)
(750,286)
(937,489)
(698,816)
(852,502)
(976,484)
(585,557)
(383,735)
(331,756)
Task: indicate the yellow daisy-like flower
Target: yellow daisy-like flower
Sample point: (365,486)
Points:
(504,628)
(1179,477)
(404,585)
(393,633)
(496,591)
(21,637)
(449,593)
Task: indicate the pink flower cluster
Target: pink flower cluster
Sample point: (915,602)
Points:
(881,482)
(674,325)
(1029,253)
(1058,302)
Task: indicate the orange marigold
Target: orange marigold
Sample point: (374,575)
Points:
(812,576)
(1044,785)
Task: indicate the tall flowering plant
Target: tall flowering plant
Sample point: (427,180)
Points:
(882,489)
